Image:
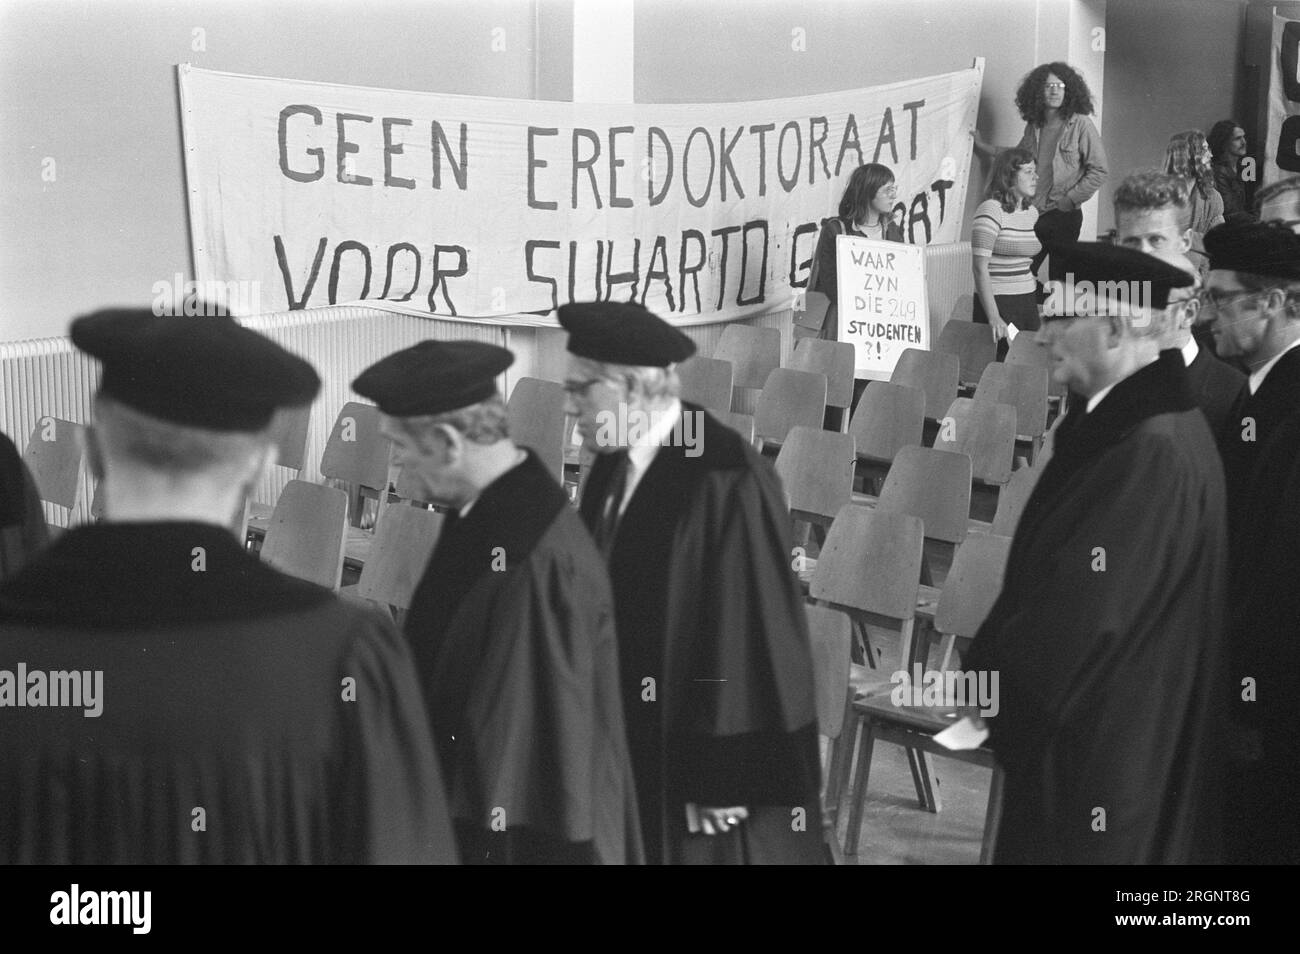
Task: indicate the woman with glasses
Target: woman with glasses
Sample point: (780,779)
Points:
(1227,141)
(1003,244)
(866,210)
(1055,104)
(1188,157)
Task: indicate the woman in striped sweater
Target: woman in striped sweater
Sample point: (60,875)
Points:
(1003,245)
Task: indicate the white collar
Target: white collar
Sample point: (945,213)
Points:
(643,450)
(1097,398)
(1259,374)
(1190,351)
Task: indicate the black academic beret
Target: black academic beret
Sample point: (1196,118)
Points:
(433,377)
(199,371)
(1114,272)
(623,333)
(1256,248)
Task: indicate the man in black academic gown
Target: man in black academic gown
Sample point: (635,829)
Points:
(1107,634)
(716,665)
(1254,290)
(166,698)
(22,522)
(1151,216)
(512,624)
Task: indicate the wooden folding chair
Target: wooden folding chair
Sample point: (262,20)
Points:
(1012,499)
(754,353)
(706,382)
(933,485)
(888,418)
(836,360)
(307,533)
(972,588)
(934,373)
(744,425)
(973,346)
(357,454)
(1024,387)
(987,434)
(535,416)
(404,541)
(56,457)
(816,469)
(830,635)
(1029,351)
(289,429)
(789,398)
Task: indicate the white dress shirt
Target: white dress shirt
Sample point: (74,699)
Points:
(641,454)
(1257,376)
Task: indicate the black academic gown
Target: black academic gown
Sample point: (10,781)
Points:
(1264,792)
(1108,670)
(714,649)
(1276,400)
(22,522)
(1216,389)
(512,629)
(247,717)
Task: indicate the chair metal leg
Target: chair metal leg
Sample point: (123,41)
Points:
(992,817)
(860,777)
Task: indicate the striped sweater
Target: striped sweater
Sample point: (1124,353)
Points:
(1008,241)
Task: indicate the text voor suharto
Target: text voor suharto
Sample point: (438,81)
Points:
(83,689)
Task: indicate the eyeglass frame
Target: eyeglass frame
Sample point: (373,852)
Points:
(1050,86)
(1210,309)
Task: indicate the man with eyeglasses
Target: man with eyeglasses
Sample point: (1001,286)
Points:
(1109,627)
(713,643)
(511,625)
(1279,203)
(1254,288)
(1151,216)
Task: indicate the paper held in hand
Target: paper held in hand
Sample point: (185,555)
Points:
(963,735)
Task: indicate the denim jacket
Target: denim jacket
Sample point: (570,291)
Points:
(1079,166)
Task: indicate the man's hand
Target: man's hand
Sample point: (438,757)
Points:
(715,821)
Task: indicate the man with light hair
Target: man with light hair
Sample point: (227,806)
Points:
(1151,214)
(246,717)
(716,666)
(511,625)
(1108,631)
(1279,203)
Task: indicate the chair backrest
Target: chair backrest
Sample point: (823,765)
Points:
(706,382)
(933,485)
(835,359)
(56,457)
(790,398)
(973,585)
(356,452)
(307,532)
(1011,500)
(1022,386)
(404,541)
(535,416)
(743,423)
(830,635)
(753,352)
(889,417)
(871,562)
(289,429)
(1028,350)
(934,373)
(816,469)
(971,343)
(986,433)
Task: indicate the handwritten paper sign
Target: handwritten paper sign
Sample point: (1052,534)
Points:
(883,308)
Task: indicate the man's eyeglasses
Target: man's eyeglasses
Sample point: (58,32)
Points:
(1213,305)
(1053,87)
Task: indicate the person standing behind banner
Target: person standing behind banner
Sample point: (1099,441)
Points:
(867,211)
(1055,104)
(1003,244)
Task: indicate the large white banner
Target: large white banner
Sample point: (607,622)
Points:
(315,194)
(1282,138)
